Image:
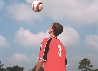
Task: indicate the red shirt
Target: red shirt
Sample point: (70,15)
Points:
(53,53)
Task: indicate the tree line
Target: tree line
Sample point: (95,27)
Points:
(84,65)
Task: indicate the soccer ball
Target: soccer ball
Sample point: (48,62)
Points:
(37,6)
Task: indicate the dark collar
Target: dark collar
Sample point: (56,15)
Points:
(54,37)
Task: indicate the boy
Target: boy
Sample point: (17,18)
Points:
(52,52)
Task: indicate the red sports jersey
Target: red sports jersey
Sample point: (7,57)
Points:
(53,53)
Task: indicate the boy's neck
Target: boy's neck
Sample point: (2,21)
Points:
(51,35)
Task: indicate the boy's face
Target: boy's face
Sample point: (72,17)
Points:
(50,30)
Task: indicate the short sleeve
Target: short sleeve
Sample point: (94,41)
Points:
(44,49)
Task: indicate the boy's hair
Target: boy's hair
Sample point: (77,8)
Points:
(58,28)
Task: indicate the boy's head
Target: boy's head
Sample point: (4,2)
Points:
(56,29)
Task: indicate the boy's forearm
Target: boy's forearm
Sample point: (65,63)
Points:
(39,65)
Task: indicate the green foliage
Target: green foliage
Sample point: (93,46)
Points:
(1,67)
(15,68)
(85,65)
(95,70)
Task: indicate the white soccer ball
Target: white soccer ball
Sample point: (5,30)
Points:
(37,6)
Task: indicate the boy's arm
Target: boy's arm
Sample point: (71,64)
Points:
(39,64)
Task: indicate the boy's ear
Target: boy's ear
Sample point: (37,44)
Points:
(52,30)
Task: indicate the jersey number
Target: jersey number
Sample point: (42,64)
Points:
(59,52)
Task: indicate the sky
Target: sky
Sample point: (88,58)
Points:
(22,30)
